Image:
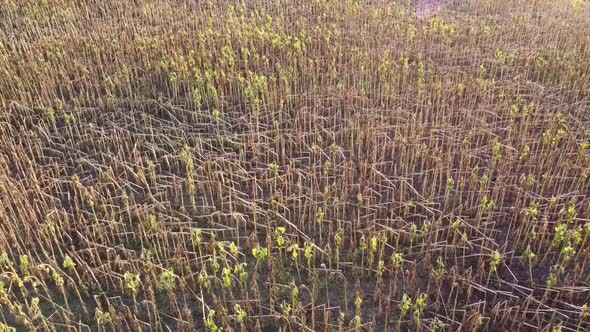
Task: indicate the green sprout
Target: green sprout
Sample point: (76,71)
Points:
(203,279)
(571,213)
(217,115)
(6,328)
(405,305)
(274,167)
(408,206)
(420,305)
(532,211)
(286,309)
(495,261)
(153,222)
(24,264)
(167,281)
(321,216)
(279,232)
(131,281)
(461,89)
(525,153)
(240,313)
(560,234)
(197,237)
(327,166)
(308,253)
(214,263)
(567,253)
(210,325)
(552,280)
(294,250)
(358,301)
(436,324)
(425,228)
(68,263)
(396,260)
(5,261)
(233,249)
(227,281)
(440,268)
(374,244)
(187,158)
(34,310)
(487,204)
(339,238)
(528,254)
(57,278)
(259,253)
(450,184)
(363,244)
(102,317)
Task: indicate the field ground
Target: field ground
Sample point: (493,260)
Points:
(313,165)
